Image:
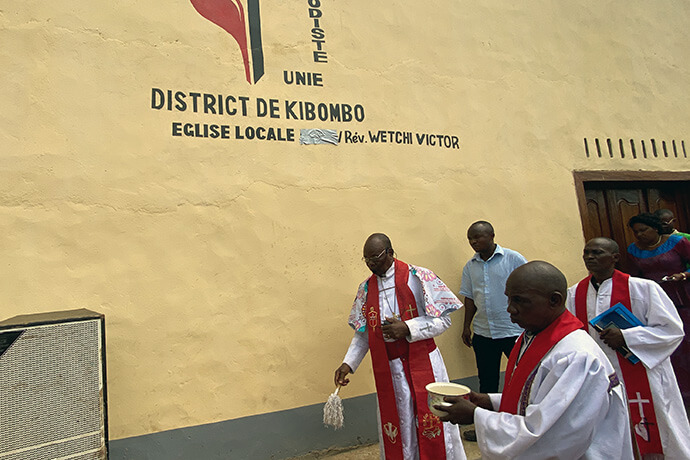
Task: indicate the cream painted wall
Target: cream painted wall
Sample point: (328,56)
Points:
(226,268)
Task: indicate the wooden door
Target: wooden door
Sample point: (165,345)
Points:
(609,205)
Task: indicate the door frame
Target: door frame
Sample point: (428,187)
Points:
(581,177)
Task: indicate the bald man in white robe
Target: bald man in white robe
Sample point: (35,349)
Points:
(562,398)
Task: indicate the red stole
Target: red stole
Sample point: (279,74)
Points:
(514,398)
(415,359)
(634,375)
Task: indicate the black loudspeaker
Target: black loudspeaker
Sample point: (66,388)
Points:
(53,399)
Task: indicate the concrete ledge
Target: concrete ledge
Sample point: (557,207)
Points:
(275,435)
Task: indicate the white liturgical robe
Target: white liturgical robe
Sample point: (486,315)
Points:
(575,410)
(653,344)
(422,327)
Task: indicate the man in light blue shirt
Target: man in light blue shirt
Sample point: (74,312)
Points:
(483,285)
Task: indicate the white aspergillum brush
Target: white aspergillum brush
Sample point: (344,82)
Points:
(333,410)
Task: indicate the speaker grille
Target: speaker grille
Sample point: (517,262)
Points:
(51,404)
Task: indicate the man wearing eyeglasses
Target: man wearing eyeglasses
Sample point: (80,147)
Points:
(397,312)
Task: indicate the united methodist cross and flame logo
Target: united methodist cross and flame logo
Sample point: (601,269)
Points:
(239,18)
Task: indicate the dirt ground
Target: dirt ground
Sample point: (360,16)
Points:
(371,452)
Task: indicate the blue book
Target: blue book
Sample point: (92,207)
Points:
(619,317)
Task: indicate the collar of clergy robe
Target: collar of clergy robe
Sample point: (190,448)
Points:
(515,396)
(634,375)
(438,299)
(418,370)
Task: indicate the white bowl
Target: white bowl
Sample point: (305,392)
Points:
(436,391)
